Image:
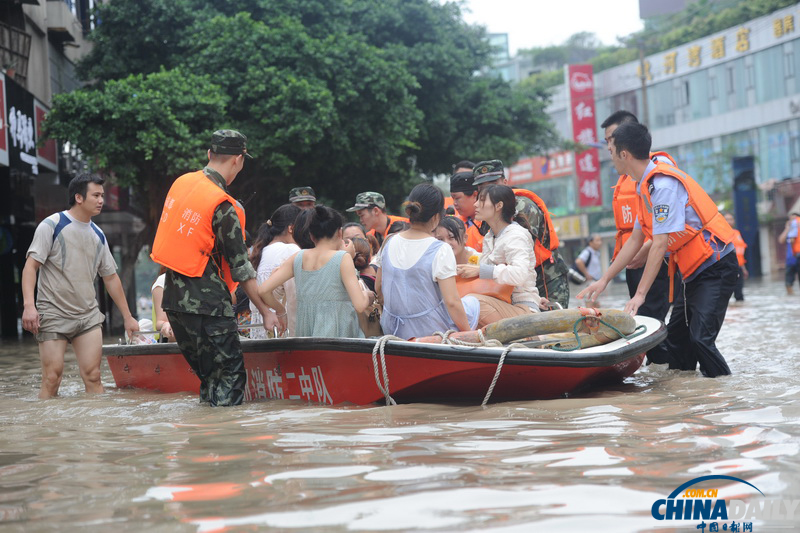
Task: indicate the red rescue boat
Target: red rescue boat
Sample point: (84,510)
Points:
(334,371)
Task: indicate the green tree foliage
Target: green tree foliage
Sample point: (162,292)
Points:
(341,95)
(143,130)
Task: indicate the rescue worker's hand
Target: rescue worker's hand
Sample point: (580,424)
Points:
(131,325)
(593,291)
(273,321)
(745,272)
(30,319)
(468,271)
(634,304)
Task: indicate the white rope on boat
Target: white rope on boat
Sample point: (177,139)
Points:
(380,345)
(447,339)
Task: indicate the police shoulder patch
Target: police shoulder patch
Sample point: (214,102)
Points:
(661,212)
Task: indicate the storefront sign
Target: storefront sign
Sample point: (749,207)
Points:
(571,227)
(530,169)
(580,81)
(602,222)
(21,130)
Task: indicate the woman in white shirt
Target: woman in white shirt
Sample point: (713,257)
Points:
(507,256)
(274,244)
(417,275)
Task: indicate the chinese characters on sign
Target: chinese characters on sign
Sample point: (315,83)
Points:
(584,131)
(740,40)
(531,169)
(271,384)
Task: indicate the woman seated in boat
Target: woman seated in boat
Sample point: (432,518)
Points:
(328,293)
(361,252)
(507,257)
(451,231)
(274,245)
(417,275)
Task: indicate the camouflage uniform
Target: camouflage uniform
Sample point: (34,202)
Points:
(551,277)
(200,310)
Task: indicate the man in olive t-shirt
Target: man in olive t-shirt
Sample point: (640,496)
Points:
(68,252)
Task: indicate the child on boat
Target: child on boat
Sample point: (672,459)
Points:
(328,292)
(507,257)
(274,245)
(417,275)
(451,231)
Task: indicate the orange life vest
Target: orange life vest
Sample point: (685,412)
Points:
(392,220)
(796,242)
(625,204)
(487,287)
(542,254)
(740,245)
(474,237)
(688,248)
(184,238)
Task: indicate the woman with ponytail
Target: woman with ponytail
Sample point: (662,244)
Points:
(417,275)
(328,292)
(274,244)
(507,257)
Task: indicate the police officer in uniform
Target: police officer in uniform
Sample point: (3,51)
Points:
(625,205)
(551,270)
(681,218)
(200,239)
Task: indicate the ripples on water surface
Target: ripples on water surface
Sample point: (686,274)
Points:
(139,461)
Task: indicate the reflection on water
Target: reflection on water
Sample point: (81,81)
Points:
(132,460)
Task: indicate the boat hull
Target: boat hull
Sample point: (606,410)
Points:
(335,371)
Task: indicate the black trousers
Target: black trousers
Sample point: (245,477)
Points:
(697,315)
(656,303)
(738,289)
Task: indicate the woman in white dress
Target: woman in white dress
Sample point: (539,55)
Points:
(274,244)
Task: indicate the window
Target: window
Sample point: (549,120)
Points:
(730,85)
(788,64)
(749,73)
(712,85)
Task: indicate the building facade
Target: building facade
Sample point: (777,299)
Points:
(733,94)
(40,41)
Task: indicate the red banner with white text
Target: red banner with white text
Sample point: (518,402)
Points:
(580,80)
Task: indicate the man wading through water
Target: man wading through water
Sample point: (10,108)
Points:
(200,239)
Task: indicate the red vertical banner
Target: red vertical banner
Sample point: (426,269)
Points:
(584,131)
(3,126)
(47,152)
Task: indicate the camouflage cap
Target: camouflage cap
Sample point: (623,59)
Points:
(229,142)
(487,171)
(366,199)
(302,194)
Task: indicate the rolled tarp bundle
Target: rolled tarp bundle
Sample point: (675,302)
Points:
(533,326)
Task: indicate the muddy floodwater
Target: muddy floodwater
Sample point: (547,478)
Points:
(132,460)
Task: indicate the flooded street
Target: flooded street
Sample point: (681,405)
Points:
(139,461)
